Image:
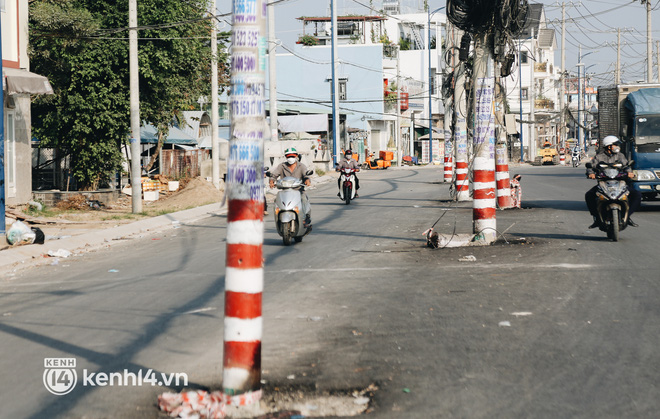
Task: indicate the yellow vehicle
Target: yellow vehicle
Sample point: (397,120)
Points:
(548,154)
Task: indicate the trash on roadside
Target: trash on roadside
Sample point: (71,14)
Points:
(468,258)
(113,270)
(406,390)
(60,253)
(19,233)
(504,324)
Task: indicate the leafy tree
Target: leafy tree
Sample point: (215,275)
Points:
(82,47)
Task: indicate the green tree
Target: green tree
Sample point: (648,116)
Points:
(82,47)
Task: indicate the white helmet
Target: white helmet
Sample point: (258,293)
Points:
(609,140)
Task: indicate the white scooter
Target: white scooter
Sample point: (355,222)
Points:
(293,213)
(576,159)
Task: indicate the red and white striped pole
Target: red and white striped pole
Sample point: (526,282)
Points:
(244,275)
(462,184)
(449,166)
(484,200)
(502,176)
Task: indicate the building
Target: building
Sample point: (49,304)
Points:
(378,56)
(533,88)
(18,84)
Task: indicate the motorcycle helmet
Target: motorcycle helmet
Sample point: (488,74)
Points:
(610,140)
(290,152)
(348,154)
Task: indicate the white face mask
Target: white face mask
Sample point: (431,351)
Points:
(291,160)
(615,149)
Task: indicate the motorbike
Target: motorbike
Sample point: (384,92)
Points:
(613,206)
(293,213)
(576,159)
(347,190)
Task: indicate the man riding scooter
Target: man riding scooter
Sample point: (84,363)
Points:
(610,153)
(348,162)
(292,167)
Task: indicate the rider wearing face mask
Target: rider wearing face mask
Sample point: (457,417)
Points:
(291,167)
(610,153)
(348,162)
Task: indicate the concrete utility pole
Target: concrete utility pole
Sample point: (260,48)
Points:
(657,58)
(272,73)
(532,102)
(136,166)
(501,149)
(397,137)
(562,79)
(649,43)
(617,78)
(215,147)
(3,221)
(460,132)
(244,277)
(484,202)
(335,88)
(449,106)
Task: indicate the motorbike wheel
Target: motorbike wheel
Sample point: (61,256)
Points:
(614,235)
(347,195)
(287,233)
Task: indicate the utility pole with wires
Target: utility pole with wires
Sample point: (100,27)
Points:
(244,275)
(462,184)
(484,199)
(134,87)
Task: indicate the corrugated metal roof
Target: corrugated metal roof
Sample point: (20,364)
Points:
(148,134)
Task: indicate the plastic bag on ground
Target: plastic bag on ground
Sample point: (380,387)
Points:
(20,233)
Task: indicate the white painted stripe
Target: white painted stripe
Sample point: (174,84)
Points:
(245,232)
(484,185)
(487,226)
(501,175)
(250,281)
(484,203)
(504,192)
(243,330)
(235,378)
(483,163)
(461,171)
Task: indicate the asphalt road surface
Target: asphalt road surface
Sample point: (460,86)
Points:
(564,323)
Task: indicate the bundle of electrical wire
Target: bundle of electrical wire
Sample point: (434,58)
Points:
(472,16)
(478,16)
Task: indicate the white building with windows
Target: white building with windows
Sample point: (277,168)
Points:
(533,88)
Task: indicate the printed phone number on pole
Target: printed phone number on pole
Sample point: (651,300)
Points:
(245,10)
(248,37)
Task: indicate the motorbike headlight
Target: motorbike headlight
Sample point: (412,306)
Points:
(643,175)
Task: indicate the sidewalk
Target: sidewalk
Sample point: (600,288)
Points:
(19,257)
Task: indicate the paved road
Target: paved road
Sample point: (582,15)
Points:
(360,301)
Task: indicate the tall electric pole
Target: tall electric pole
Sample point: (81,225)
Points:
(215,147)
(136,167)
(649,43)
(272,73)
(562,78)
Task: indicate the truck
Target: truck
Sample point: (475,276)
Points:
(632,113)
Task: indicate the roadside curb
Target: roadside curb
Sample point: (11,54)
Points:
(34,254)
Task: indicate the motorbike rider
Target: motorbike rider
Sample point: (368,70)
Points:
(348,162)
(610,153)
(293,167)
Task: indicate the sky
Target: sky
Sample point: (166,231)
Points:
(591,24)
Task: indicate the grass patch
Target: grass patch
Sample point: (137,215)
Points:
(320,172)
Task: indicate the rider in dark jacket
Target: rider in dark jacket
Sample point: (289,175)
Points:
(610,153)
